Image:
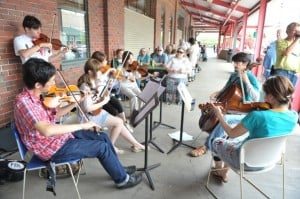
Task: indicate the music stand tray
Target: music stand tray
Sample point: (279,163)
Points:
(136,118)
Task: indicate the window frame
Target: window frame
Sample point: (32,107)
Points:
(76,63)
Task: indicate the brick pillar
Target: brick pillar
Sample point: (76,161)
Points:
(113,26)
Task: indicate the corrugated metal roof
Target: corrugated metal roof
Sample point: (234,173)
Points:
(209,15)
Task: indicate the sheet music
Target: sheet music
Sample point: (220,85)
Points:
(150,89)
(185,95)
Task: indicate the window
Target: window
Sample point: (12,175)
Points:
(74,29)
(141,6)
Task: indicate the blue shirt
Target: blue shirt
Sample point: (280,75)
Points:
(163,58)
(143,59)
(269,123)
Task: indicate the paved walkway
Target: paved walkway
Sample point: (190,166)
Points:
(179,176)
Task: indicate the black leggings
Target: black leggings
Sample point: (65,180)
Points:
(113,106)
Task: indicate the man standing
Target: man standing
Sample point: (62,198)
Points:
(288,54)
(24,44)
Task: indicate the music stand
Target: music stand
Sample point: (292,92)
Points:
(151,88)
(138,116)
(188,102)
(159,122)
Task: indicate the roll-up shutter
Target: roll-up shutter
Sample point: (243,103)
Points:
(139,32)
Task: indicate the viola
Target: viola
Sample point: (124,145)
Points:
(134,66)
(209,120)
(56,43)
(55,96)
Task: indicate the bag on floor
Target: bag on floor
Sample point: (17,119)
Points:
(11,170)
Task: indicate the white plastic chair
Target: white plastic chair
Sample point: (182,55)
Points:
(261,154)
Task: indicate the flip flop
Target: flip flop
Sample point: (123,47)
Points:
(199,151)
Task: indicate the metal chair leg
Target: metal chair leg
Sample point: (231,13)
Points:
(74,181)
(24,183)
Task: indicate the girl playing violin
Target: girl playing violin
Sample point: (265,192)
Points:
(277,121)
(251,86)
(24,46)
(114,107)
(93,105)
(128,84)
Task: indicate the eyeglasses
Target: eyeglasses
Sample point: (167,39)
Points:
(179,51)
(159,50)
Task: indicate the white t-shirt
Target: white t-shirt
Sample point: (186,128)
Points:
(23,42)
(183,63)
(194,52)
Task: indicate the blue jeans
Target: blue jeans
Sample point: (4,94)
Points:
(88,144)
(219,132)
(291,75)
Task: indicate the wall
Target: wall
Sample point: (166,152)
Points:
(106,33)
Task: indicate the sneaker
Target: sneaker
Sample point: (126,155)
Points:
(130,169)
(134,179)
(129,127)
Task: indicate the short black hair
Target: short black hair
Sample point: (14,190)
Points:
(37,70)
(192,40)
(242,57)
(31,22)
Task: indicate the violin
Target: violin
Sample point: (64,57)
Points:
(134,66)
(56,43)
(209,120)
(55,96)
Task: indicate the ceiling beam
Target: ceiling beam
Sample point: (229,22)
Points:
(207,22)
(229,5)
(231,11)
(204,16)
(205,9)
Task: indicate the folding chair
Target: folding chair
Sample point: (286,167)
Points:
(258,156)
(36,163)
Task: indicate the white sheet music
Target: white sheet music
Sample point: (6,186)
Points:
(185,95)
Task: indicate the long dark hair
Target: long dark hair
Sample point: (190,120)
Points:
(126,54)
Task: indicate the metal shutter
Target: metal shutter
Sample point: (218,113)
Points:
(139,32)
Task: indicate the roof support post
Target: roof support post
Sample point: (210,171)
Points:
(260,30)
(244,31)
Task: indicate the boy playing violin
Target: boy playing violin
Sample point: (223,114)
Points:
(24,44)
(59,142)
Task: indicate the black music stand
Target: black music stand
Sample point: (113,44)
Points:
(186,98)
(151,88)
(159,122)
(137,117)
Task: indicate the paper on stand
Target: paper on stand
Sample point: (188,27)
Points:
(185,136)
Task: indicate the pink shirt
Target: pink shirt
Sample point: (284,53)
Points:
(28,110)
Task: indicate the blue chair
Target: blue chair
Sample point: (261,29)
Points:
(36,163)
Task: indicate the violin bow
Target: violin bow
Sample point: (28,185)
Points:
(76,101)
(242,87)
(54,17)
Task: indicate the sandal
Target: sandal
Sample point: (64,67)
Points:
(136,149)
(218,176)
(199,151)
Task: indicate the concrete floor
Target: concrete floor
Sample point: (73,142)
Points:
(179,175)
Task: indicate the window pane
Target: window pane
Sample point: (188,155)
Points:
(74,34)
